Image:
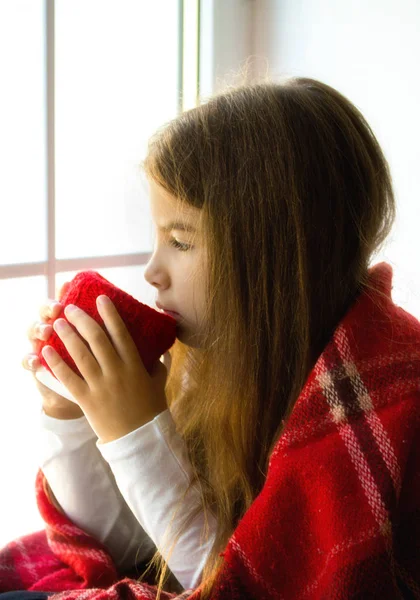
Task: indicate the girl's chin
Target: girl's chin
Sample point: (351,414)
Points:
(188,338)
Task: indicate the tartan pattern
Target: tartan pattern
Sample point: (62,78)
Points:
(339,514)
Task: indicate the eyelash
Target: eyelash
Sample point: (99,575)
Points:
(181,247)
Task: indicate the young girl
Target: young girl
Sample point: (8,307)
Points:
(295,380)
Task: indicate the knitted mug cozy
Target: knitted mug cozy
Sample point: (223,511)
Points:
(153,332)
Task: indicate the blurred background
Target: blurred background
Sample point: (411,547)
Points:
(85,83)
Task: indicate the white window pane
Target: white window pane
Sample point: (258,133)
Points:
(116,82)
(20,405)
(22,132)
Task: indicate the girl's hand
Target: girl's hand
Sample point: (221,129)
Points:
(117,395)
(53,404)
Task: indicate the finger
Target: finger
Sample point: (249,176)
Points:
(51,310)
(77,347)
(118,332)
(36,346)
(99,343)
(30,332)
(39,331)
(39,337)
(31,362)
(65,375)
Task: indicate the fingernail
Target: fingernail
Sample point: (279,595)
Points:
(32,362)
(103,300)
(53,307)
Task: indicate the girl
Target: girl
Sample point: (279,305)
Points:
(295,381)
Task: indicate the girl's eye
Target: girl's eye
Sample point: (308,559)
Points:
(180,246)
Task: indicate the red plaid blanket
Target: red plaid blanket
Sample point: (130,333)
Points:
(339,514)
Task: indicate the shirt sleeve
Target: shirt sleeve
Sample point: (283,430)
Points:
(152,471)
(85,488)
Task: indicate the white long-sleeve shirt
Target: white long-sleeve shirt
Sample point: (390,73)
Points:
(123,492)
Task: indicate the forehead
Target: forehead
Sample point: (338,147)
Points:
(170,214)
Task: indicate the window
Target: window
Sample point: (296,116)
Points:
(85,84)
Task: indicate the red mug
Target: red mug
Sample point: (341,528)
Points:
(153,332)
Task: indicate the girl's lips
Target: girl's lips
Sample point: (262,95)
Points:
(171,314)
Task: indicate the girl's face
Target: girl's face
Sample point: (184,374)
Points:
(176,267)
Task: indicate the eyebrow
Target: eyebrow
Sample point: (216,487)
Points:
(178,226)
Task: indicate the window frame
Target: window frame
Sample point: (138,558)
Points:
(187,93)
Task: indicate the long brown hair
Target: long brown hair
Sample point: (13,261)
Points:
(296,197)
